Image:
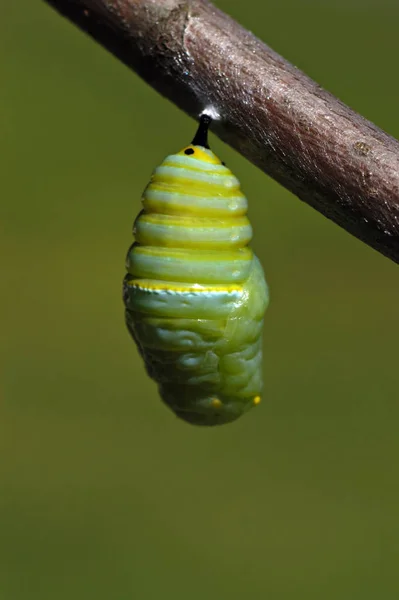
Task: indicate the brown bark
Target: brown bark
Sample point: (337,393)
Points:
(271,112)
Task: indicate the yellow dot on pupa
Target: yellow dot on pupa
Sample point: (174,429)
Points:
(257,400)
(216,403)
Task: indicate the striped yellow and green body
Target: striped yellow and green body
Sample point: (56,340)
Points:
(195,294)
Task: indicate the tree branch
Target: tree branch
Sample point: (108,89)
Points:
(278,118)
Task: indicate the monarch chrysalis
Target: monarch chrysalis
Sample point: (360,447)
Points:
(195,294)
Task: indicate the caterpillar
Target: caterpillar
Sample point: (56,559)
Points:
(194,293)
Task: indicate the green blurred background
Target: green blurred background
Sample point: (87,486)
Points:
(103,492)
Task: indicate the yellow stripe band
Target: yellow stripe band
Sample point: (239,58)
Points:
(211,302)
(175,264)
(161,199)
(192,232)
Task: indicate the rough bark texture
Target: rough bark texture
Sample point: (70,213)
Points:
(271,112)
